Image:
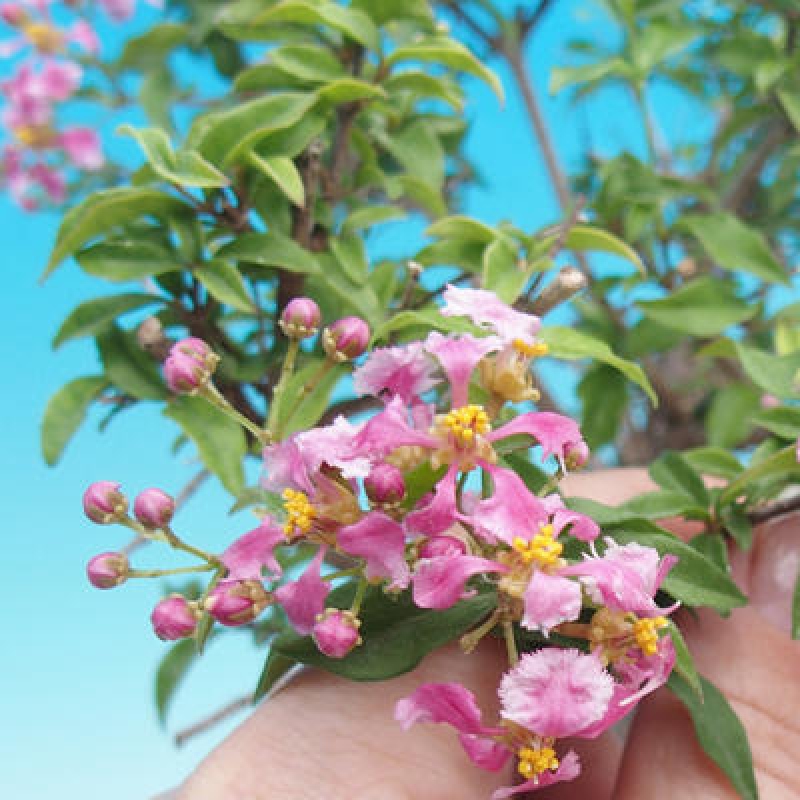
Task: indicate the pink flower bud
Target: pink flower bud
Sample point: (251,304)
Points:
(300,319)
(576,455)
(107,570)
(237,602)
(346,339)
(336,632)
(769,401)
(442,546)
(154,508)
(196,349)
(185,374)
(385,485)
(174,618)
(13,14)
(103,503)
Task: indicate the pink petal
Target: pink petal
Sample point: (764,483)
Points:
(82,146)
(388,430)
(304,599)
(556,692)
(550,600)
(440,511)
(84,35)
(379,540)
(485,753)
(439,582)
(405,372)
(568,769)
(554,432)
(249,553)
(581,526)
(459,355)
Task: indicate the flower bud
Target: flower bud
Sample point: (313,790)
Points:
(576,455)
(442,546)
(336,632)
(107,570)
(197,349)
(184,374)
(237,602)
(346,338)
(103,503)
(300,319)
(154,508)
(174,618)
(13,14)
(385,485)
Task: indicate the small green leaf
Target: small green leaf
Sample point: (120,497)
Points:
(426,85)
(774,374)
(584,237)
(672,471)
(460,227)
(153,46)
(220,440)
(65,412)
(396,634)
(783,464)
(371,215)
(737,525)
(128,367)
(502,272)
(684,663)
(351,254)
(729,417)
(171,672)
(713,461)
(349,90)
(411,322)
(733,245)
(298,409)
(783,422)
(419,151)
(307,62)
(94,315)
(127,260)
(719,732)
(714,547)
(283,173)
(225,284)
(570,344)
(603,393)
(270,249)
(662,504)
(276,667)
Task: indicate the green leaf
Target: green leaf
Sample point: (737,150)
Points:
(719,732)
(276,667)
(283,173)
(128,367)
(225,284)
(420,152)
(103,211)
(672,471)
(502,273)
(94,315)
(603,393)
(737,524)
(349,90)
(570,344)
(224,136)
(153,46)
(704,307)
(780,464)
(460,227)
(425,85)
(298,409)
(783,422)
(127,260)
(796,608)
(589,74)
(307,62)
(774,374)
(694,580)
(396,634)
(171,672)
(733,245)
(410,322)
(371,215)
(220,440)
(270,249)
(186,168)
(351,254)
(791,105)
(450,53)
(662,504)
(714,547)
(728,420)
(65,412)
(352,23)
(713,461)
(584,237)
(684,663)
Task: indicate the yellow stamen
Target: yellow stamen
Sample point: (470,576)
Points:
(43,37)
(543,549)
(535,350)
(34,135)
(300,513)
(645,632)
(535,761)
(467,422)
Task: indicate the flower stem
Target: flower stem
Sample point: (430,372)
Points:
(160,573)
(361,592)
(287,371)
(210,393)
(511,644)
(469,641)
(175,541)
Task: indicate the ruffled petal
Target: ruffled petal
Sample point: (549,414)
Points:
(379,540)
(406,372)
(554,432)
(550,600)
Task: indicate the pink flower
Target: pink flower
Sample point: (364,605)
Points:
(380,541)
(405,372)
(485,309)
(556,693)
(118,10)
(304,599)
(459,355)
(83,148)
(253,551)
(568,769)
(550,600)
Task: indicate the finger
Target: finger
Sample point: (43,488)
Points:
(753,661)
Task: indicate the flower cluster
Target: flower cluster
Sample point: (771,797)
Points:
(419,499)
(43,152)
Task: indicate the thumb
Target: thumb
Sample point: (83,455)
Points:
(752,660)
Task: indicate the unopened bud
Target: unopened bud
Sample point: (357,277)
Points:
(196,349)
(151,338)
(184,374)
(687,267)
(336,632)
(174,618)
(300,319)
(576,455)
(13,14)
(385,485)
(346,338)
(442,546)
(107,570)
(103,503)
(237,602)
(154,508)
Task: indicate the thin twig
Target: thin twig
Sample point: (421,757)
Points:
(234,707)
(777,509)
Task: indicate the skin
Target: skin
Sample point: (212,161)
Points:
(322,737)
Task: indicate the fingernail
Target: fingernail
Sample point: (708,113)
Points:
(774,569)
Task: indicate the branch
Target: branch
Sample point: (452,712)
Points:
(777,509)
(234,707)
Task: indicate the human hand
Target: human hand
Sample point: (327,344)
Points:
(323,737)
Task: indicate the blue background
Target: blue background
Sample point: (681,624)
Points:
(76,706)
